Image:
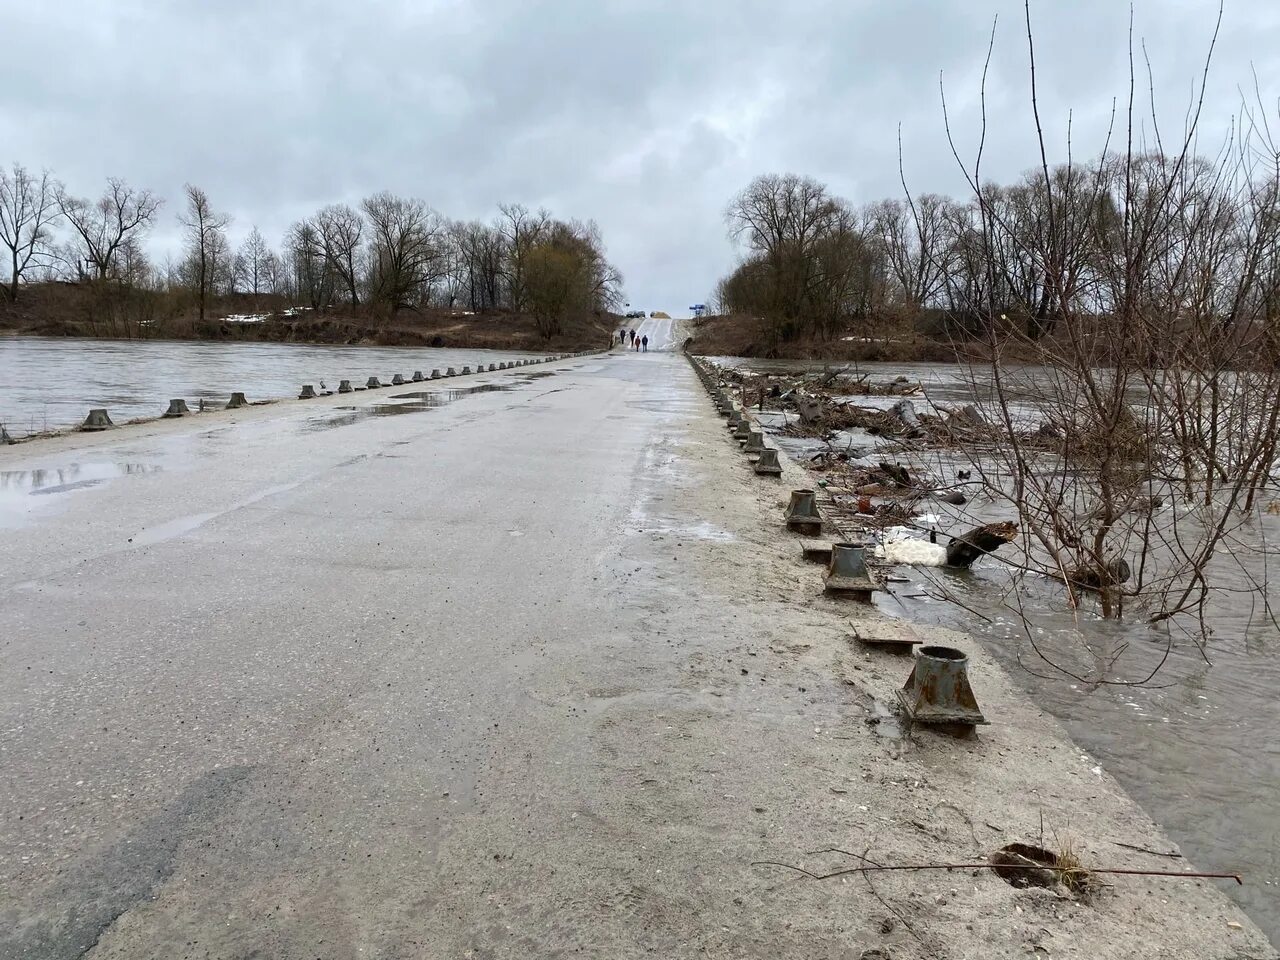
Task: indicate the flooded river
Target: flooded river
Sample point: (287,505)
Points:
(50,384)
(1199,747)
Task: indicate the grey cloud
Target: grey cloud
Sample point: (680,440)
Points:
(646,117)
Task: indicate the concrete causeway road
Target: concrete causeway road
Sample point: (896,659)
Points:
(520,668)
(661,333)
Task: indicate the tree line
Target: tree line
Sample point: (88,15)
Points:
(389,253)
(1174,238)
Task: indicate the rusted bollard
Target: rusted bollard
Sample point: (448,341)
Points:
(397,380)
(97,420)
(344,386)
(768,463)
(493,367)
(177,408)
(938,691)
(848,573)
(465,371)
(308,392)
(451,372)
(743,431)
(237,401)
(802,514)
(373,384)
(435,374)
(418,377)
(755,443)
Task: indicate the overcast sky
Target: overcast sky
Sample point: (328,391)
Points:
(647,117)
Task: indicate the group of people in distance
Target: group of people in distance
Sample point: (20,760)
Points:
(637,343)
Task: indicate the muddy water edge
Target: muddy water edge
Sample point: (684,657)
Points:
(1198,747)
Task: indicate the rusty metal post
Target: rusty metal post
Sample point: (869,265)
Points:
(938,691)
(802,514)
(177,408)
(768,464)
(237,401)
(849,574)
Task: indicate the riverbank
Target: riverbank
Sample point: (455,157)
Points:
(74,310)
(327,734)
(885,339)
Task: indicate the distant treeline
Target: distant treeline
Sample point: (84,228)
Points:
(1175,241)
(387,254)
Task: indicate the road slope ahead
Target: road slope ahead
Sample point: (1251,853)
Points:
(522,673)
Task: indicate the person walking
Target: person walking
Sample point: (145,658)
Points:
(633,337)
(645,342)
(622,336)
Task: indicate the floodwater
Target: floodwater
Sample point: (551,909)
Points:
(50,384)
(1198,747)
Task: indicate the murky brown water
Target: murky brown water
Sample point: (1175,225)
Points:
(1199,747)
(50,384)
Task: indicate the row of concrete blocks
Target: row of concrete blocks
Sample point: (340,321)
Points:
(99,419)
(763,458)
(937,691)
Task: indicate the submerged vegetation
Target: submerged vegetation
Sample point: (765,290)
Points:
(1140,291)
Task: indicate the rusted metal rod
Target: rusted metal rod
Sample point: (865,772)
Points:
(1001,866)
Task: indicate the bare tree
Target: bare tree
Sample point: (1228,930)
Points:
(308,269)
(340,229)
(273,274)
(809,266)
(250,265)
(405,251)
(207,243)
(1143,286)
(914,241)
(28,209)
(102,226)
(520,231)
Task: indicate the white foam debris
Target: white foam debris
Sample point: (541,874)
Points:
(912,550)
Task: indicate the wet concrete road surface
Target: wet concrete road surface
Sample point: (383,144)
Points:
(329,685)
(517,672)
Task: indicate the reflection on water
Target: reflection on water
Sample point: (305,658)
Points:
(17,487)
(56,479)
(49,384)
(422,400)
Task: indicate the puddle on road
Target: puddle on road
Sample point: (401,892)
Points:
(438,398)
(884,721)
(76,476)
(18,486)
(420,400)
